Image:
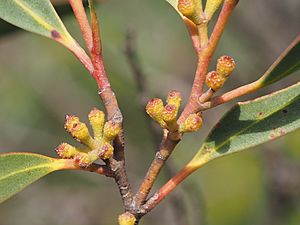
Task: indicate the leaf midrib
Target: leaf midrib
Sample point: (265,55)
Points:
(48,165)
(36,17)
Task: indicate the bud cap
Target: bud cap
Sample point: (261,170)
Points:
(192,124)
(106,150)
(77,129)
(66,151)
(111,130)
(154,109)
(225,65)
(214,80)
(174,98)
(97,120)
(126,219)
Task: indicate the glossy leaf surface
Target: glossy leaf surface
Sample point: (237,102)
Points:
(252,123)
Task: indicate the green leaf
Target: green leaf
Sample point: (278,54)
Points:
(6,28)
(252,123)
(38,16)
(18,170)
(287,63)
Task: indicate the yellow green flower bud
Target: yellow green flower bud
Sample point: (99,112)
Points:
(111,130)
(105,150)
(127,219)
(66,151)
(97,120)
(174,98)
(214,80)
(192,124)
(154,109)
(191,9)
(78,130)
(169,115)
(211,7)
(225,65)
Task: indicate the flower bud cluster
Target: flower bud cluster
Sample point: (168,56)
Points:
(97,147)
(216,79)
(165,116)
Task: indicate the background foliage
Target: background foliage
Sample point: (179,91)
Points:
(40,82)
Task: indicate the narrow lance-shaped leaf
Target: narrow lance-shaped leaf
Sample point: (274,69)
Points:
(18,170)
(287,63)
(252,123)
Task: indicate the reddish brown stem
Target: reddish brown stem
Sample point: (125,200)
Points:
(83,22)
(96,168)
(238,92)
(167,146)
(117,162)
(223,18)
(205,58)
(99,74)
(76,49)
(193,103)
(166,189)
(193,32)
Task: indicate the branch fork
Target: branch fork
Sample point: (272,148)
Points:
(197,24)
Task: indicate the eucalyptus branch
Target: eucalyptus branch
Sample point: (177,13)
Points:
(227,9)
(203,34)
(153,201)
(167,145)
(274,114)
(238,92)
(117,162)
(204,59)
(143,95)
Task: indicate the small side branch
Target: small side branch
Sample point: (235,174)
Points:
(238,92)
(95,168)
(223,18)
(204,59)
(83,22)
(165,190)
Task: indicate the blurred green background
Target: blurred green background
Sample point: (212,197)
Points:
(40,82)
